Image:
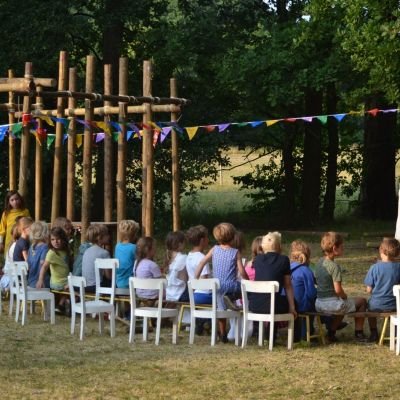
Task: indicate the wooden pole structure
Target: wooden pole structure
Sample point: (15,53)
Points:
(108,151)
(176,206)
(147,156)
(71,149)
(121,168)
(24,157)
(12,164)
(87,149)
(39,166)
(58,151)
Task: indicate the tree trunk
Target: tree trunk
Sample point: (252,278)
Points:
(333,150)
(311,178)
(378,193)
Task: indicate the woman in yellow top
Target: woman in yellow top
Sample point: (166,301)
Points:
(14,207)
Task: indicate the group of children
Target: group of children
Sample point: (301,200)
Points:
(301,288)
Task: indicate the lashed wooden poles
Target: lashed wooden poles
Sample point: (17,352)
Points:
(87,150)
(176,208)
(39,166)
(121,167)
(108,151)
(71,149)
(57,166)
(24,157)
(12,164)
(147,157)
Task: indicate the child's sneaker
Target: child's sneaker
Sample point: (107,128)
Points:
(360,337)
(373,337)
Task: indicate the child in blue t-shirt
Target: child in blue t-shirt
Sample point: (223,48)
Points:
(125,251)
(380,280)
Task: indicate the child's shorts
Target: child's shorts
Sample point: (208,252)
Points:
(335,305)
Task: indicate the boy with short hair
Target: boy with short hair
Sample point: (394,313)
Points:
(380,280)
(331,298)
(98,235)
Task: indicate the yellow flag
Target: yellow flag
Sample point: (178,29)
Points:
(36,137)
(79,139)
(191,131)
(103,125)
(48,120)
(272,122)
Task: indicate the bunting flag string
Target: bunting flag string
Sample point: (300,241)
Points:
(160,130)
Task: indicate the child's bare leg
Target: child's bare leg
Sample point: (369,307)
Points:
(336,322)
(361,305)
(372,323)
(222,326)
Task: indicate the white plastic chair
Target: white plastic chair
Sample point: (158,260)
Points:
(212,285)
(84,307)
(151,312)
(267,287)
(13,287)
(25,294)
(395,322)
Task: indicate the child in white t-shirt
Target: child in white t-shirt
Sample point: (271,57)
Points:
(175,264)
(197,236)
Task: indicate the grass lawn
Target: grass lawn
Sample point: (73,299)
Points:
(46,362)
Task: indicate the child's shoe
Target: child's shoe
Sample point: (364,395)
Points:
(360,337)
(373,337)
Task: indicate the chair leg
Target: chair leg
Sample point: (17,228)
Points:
(132,328)
(238,321)
(52,311)
(181,311)
(83,321)
(245,331)
(290,334)
(260,333)
(17,306)
(101,323)
(73,315)
(24,312)
(213,331)
(112,323)
(174,330)
(271,335)
(158,330)
(383,331)
(392,333)
(11,305)
(145,329)
(397,340)
(192,329)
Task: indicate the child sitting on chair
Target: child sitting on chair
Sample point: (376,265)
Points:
(125,251)
(98,235)
(145,267)
(331,298)
(197,236)
(380,280)
(175,264)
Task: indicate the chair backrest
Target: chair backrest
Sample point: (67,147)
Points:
(267,287)
(211,284)
(149,284)
(101,265)
(396,293)
(76,282)
(19,272)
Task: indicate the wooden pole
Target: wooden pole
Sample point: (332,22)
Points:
(43,82)
(176,207)
(148,161)
(71,149)
(57,169)
(24,156)
(121,168)
(71,112)
(87,149)
(39,166)
(12,164)
(108,151)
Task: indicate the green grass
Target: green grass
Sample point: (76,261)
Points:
(46,362)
